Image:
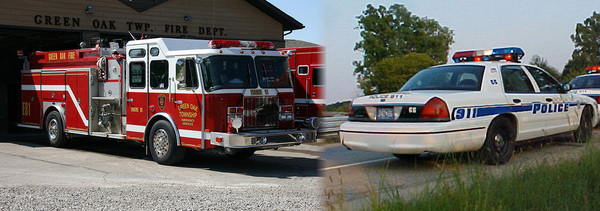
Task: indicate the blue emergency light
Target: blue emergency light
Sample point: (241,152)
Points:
(509,54)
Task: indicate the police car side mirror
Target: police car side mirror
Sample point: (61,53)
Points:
(566,88)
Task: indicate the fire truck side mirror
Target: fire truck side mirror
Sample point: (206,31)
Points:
(180,74)
(290,53)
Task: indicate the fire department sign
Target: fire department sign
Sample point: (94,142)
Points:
(161,101)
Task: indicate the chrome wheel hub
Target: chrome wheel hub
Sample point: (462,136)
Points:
(53,129)
(499,142)
(161,142)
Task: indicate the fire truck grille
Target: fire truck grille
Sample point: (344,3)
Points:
(261,112)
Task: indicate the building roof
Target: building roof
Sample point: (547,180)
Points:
(287,21)
(298,44)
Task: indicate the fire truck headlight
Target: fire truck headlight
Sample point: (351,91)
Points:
(313,123)
(236,123)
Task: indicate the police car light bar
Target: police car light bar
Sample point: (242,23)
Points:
(241,44)
(509,54)
(592,69)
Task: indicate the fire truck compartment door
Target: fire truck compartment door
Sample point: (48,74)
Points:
(53,86)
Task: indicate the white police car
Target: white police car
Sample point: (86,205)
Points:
(589,84)
(479,104)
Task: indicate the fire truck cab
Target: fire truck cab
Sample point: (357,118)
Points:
(169,94)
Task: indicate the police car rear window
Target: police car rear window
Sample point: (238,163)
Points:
(459,77)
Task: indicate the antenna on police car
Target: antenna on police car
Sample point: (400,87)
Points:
(131,35)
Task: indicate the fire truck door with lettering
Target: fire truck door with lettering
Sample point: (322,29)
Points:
(187,99)
(137,91)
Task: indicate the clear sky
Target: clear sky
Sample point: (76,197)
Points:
(309,13)
(540,27)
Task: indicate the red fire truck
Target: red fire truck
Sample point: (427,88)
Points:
(308,69)
(168,94)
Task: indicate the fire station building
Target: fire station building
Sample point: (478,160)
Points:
(44,25)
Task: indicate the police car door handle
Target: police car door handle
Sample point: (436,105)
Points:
(517,100)
(549,99)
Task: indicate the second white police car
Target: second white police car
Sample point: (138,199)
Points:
(588,84)
(485,103)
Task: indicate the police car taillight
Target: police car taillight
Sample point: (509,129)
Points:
(509,54)
(241,44)
(435,109)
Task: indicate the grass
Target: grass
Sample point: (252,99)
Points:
(568,185)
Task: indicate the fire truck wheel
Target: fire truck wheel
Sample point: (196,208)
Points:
(241,154)
(55,131)
(163,145)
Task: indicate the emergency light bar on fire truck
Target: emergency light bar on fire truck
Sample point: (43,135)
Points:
(231,96)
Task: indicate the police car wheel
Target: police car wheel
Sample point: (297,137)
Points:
(55,131)
(241,154)
(163,146)
(499,142)
(584,131)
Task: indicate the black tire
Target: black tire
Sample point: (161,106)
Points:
(163,145)
(55,131)
(407,157)
(583,134)
(499,142)
(241,154)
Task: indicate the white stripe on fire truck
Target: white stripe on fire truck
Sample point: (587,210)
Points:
(310,101)
(135,128)
(58,88)
(182,133)
(190,133)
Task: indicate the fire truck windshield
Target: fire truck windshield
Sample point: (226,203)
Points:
(273,72)
(238,72)
(228,72)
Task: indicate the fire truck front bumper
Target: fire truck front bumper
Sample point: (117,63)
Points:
(266,139)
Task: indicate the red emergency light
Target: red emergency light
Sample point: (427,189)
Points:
(592,69)
(241,44)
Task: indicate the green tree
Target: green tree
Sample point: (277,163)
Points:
(587,47)
(543,63)
(393,32)
(391,73)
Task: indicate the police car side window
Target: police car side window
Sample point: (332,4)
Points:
(515,80)
(546,82)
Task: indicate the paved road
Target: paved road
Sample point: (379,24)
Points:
(353,177)
(97,174)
